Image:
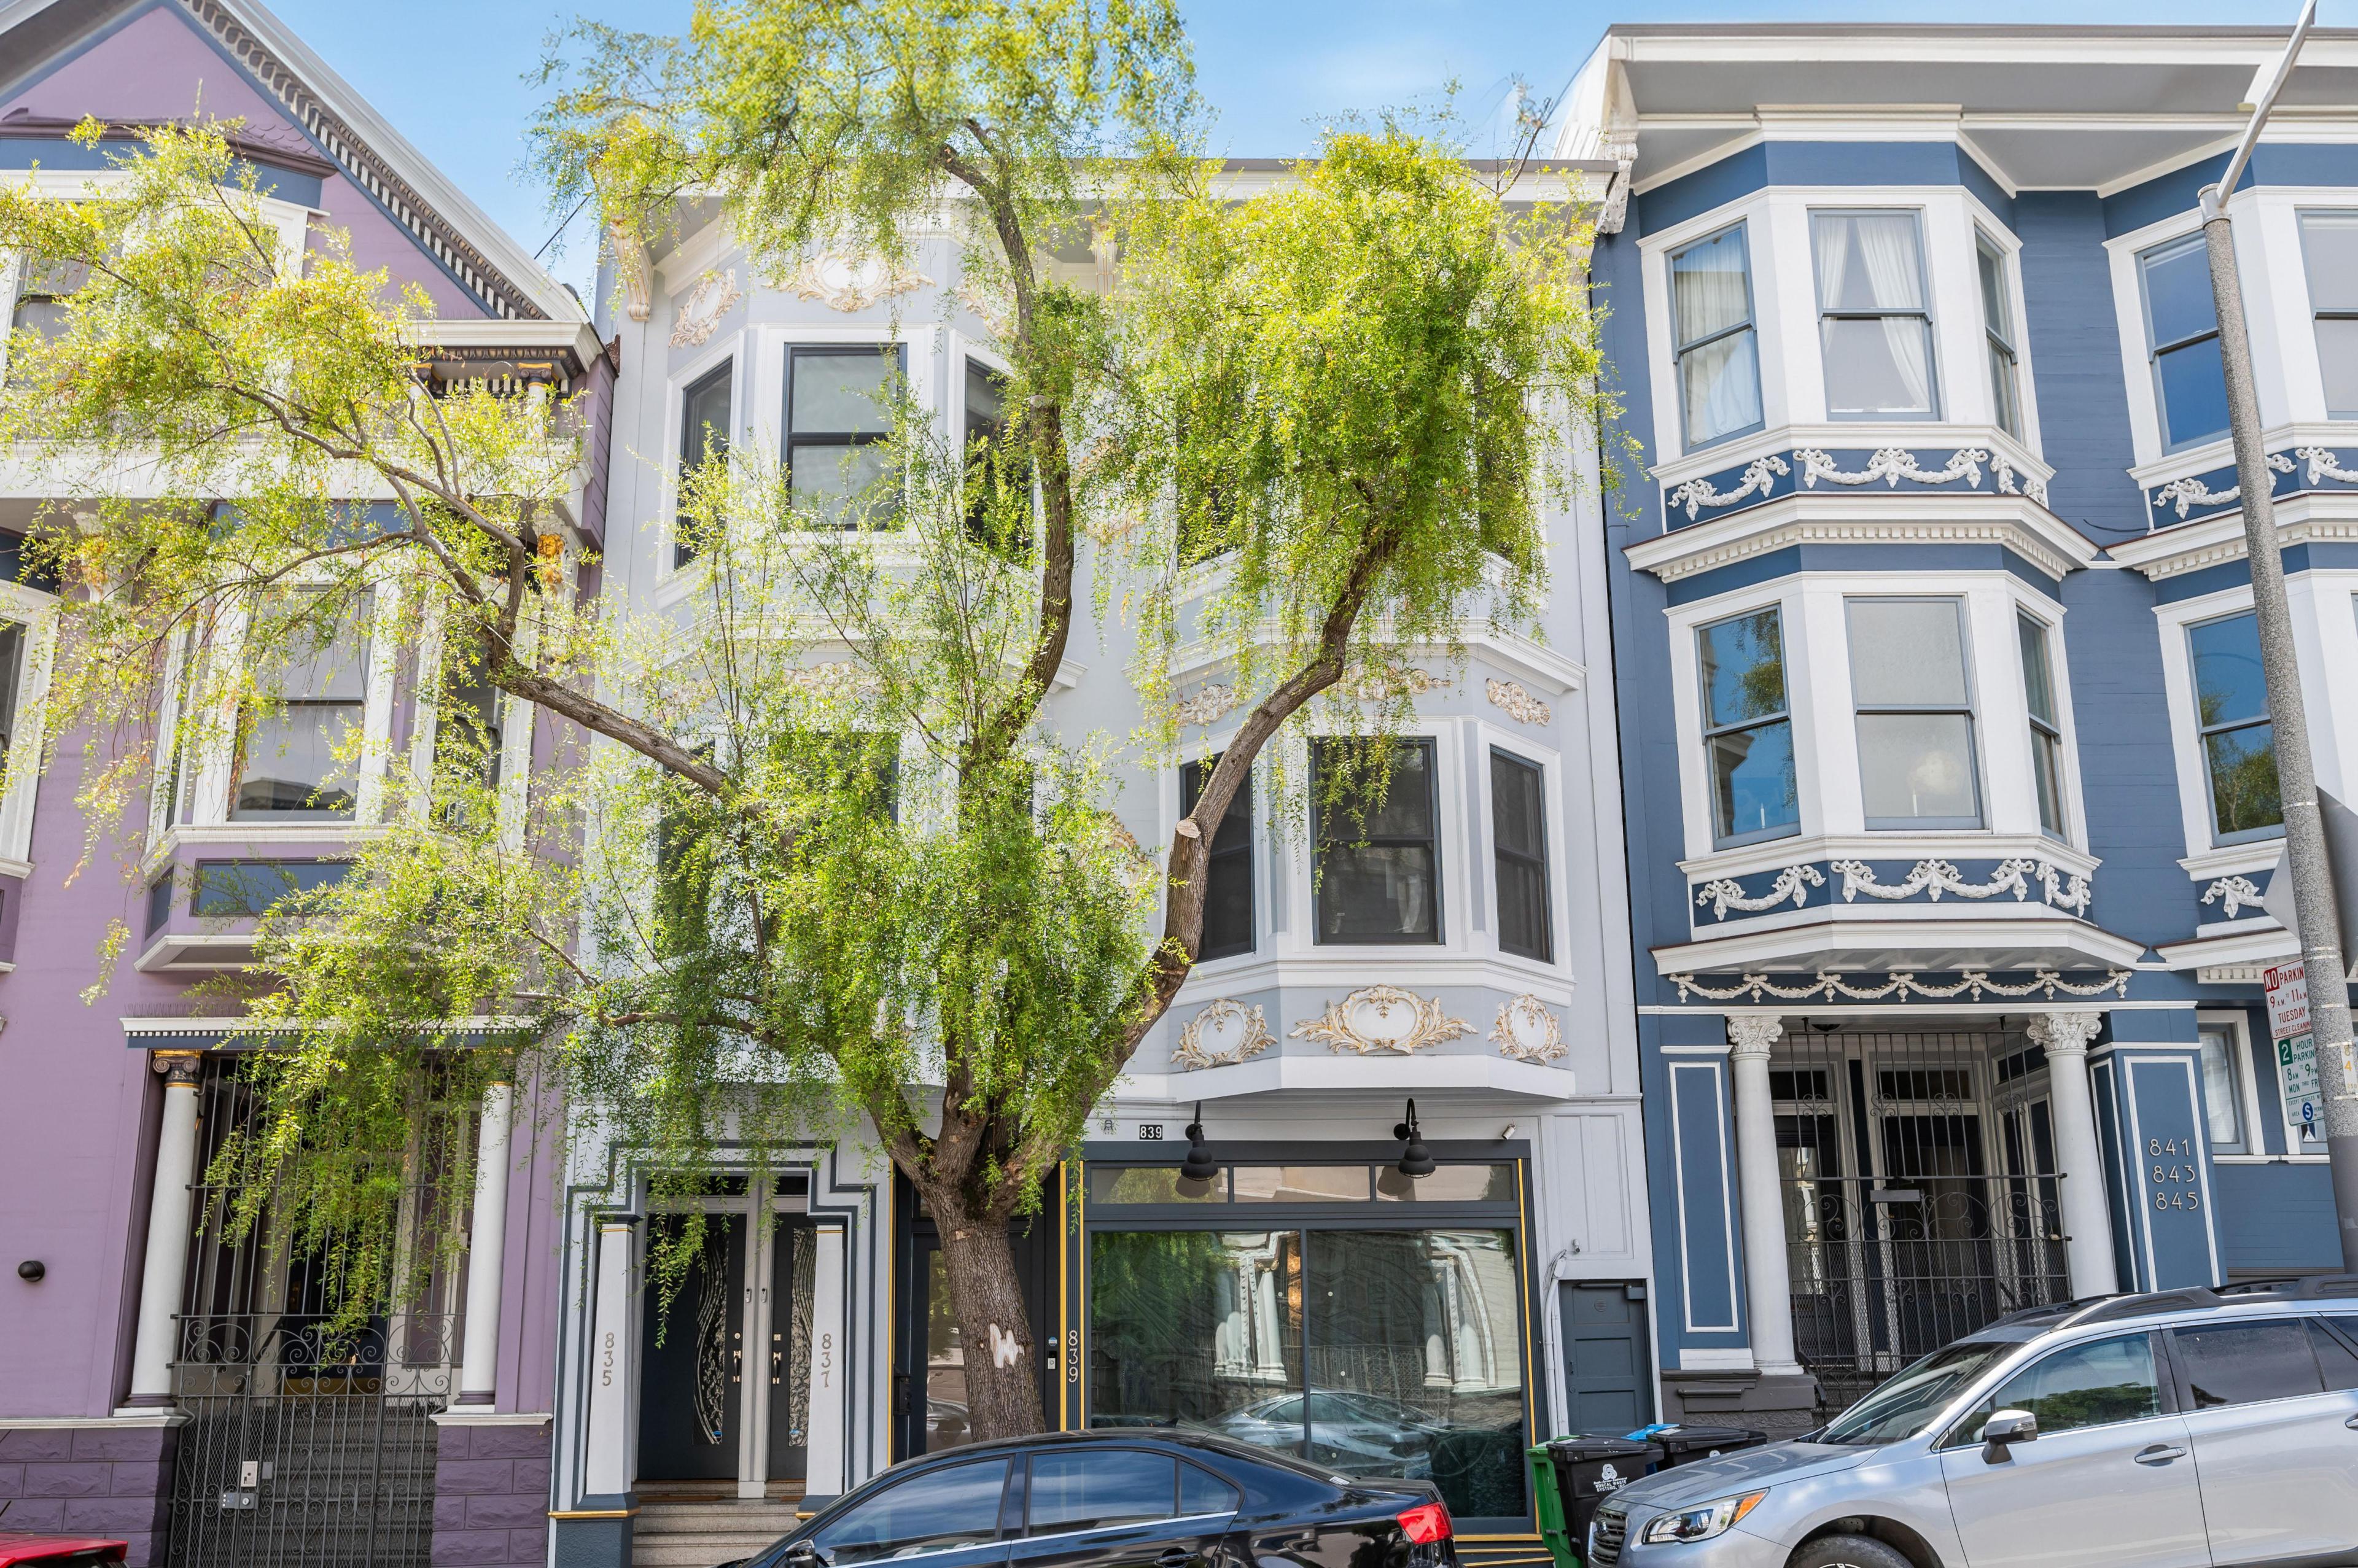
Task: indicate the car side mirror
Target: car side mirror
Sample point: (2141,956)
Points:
(2003,1430)
(802,1554)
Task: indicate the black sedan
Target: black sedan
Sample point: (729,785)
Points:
(1121,1499)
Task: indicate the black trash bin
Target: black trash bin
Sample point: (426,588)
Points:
(1590,1469)
(1686,1444)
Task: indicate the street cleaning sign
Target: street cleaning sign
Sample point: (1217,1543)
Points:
(2288,1026)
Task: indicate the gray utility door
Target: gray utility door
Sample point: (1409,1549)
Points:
(2273,1409)
(2109,1480)
(1609,1372)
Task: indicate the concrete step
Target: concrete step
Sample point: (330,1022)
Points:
(700,1534)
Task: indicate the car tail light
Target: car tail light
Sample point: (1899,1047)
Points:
(1425,1523)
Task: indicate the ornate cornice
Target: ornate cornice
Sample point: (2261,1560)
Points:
(1685,552)
(1226,1019)
(500,294)
(1833,985)
(2074,892)
(1382,1019)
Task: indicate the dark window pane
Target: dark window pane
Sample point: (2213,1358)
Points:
(1301,1183)
(2229,683)
(2177,292)
(932,1512)
(2096,1384)
(1752,784)
(840,391)
(703,437)
(1378,862)
(1227,883)
(1377,893)
(842,486)
(1198,1328)
(1153,1183)
(2244,1362)
(1097,1488)
(1415,1361)
(1201,1492)
(2334,1358)
(2193,393)
(2244,797)
(236,889)
(1405,775)
(1450,1184)
(1518,830)
(1743,669)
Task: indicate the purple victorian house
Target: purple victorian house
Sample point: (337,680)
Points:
(158,1381)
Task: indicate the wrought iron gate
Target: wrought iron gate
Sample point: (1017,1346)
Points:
(1920,1193)
(306,1445)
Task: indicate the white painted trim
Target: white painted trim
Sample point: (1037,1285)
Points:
(2185,1062)
(1281,1071)
(1727,1199)
(1710,1361)
(2238,1025)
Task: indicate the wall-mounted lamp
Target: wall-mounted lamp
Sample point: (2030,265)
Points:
(1198,1167)
(1415,1159)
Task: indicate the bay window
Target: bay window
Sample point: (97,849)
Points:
(2328,245)
(315,693)
(2046,731)
(1228,867)
(1747,731)
(839,468)
(1875,328)
(2181,323)
(1998,336)
(703,437)
(1914,713)
(1379,853)
(2231,710)
(1715,347)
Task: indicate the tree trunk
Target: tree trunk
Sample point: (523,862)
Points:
(1002,1362)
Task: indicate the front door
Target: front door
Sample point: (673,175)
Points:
(786,1359)
(2109,1479)
(691,1392)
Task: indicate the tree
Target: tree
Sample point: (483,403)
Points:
(769,892)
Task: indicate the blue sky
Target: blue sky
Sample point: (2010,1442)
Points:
(451,73)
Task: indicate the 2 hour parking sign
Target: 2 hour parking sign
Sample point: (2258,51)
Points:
(2288,1025)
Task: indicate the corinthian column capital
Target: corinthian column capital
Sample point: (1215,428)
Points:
(1754,1034)
(2065,1034)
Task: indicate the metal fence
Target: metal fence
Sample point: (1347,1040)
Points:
(1921,1194)
(308,1441)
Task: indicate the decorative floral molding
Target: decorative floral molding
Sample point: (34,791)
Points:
(1754,1034)
(2032,485)
(1382,683)
(1794,882)
(852,283)
(1527,1030)
(2236,892)
(2191,491)
(2322,465)
(1384,1019)
(1892,464)
(715,295)
(840,676)
(1208,704)
(1225,1020)
(2015,876)
(1902,984)
(1697,493)
(1517,703)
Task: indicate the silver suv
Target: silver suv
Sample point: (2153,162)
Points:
(2180,1429)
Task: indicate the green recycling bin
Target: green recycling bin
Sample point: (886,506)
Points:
(1547,1507)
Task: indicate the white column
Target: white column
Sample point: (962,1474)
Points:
(828,1375)
(486,1243)
(1768,1278)
(2087,1218)
(168,1230)
(606,1450)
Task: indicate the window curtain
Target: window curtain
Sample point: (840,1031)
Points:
(1867,262)
(1711,295)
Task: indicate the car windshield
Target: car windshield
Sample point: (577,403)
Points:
(1914,1398)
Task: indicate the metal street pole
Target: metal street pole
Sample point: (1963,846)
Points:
(2319,923)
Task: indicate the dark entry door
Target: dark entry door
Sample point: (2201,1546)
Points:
(1609,1375)
(692,1394)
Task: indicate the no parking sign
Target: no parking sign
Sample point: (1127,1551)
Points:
(2288,1026)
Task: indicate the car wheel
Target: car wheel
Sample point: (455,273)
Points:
(1847,1552)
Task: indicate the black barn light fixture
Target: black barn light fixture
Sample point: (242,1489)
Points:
(1415,1159)
(1198,1167)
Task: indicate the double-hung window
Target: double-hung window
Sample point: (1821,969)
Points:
(2046,731)
(1747,731)
(41,293)
(839,468)
(1228,868)
(1998,334)
(703,439)
(2328,244)
(1519,846)
(1717,353)
(1874,326)
(2182,336)
(2222,1087)
(2239,745)
(316,695)
(1379,860)
(997,482)
(1915,714)
(468,728)
(12,670)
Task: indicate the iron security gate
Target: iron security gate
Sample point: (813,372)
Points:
(306,1445)
(1921,1194)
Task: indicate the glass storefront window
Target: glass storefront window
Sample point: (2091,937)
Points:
(1450,1184)
(946,1424)
(1153,1183)
(1379,1352)
(1301,1183)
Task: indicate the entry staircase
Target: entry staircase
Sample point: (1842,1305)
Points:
(700,1534)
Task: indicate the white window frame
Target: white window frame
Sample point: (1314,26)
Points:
(37,613)
(1930,313)
(1707,732)
(1750,325)
(2237,1025)
(1482,835)
(2050,631)
(2009,341)
(1976,744)
(669,568)
(2301,215)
